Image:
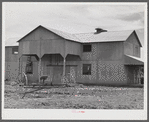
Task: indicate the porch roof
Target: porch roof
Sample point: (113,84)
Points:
(131,60)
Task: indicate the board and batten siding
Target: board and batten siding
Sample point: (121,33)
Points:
(42,41)
(11,64)
(73,48)
(132,46)
(110,51)
(34,42)
(9,56)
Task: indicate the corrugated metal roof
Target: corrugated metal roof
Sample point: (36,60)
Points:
(65,35)
(106,36)
(91,37)
(132,60)
(83,37)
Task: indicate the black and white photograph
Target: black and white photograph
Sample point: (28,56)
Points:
(74,60)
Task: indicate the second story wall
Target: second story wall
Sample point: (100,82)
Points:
(42,41)
(110,51)
(107,51)
(90,55)
(132,46)
(73,48)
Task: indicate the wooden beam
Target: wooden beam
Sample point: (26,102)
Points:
(21,67)
(61,65)
(64,68)
(39,69)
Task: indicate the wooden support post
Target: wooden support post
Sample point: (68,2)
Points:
(21,67)
(64,68)
(39,69)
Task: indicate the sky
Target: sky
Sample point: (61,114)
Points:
(20,18)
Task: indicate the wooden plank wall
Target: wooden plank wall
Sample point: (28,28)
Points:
(11,64)
(110,51)
(9,57)
(131,44)
(42,41)
(51,63)
(73,48)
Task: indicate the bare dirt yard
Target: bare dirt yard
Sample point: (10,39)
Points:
(86,97)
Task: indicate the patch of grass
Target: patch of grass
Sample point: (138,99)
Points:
(86,97)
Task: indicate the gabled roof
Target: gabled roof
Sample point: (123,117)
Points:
(109,36)
(62,34)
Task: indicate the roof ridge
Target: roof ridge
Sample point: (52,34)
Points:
(120,30)
(84,33)
(58,30)
(107,31)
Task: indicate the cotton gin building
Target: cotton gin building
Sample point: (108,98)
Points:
(102,57)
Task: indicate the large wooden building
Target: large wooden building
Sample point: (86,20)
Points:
(103,57)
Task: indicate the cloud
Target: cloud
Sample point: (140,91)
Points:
(136,19)
(23,17)
(132,16)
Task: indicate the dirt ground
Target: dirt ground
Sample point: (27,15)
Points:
(86,97)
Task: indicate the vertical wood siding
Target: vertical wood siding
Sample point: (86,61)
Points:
(73,48)
(11,70)
(130,46)
(110,51)
(9,57)
(11,64)
(52,47)
(42,41)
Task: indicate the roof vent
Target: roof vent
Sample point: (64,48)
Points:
(99,30)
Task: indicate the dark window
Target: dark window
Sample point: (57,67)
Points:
(29,66)
(15,50)
(86,69)
(87,48)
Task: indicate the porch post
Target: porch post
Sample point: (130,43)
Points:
(21,66)
(19,69)
(39,69)
(64,68)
